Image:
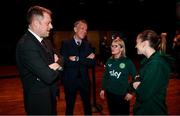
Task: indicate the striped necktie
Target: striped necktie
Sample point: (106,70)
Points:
(44,44)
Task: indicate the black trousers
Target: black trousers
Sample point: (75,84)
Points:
(41,103)
(117,104)
(70,96)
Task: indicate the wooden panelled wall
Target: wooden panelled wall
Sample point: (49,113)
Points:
(93,37)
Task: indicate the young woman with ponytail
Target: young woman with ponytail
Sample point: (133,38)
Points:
(155,69)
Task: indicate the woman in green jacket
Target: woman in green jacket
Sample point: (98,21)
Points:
(115,79)
(154,75)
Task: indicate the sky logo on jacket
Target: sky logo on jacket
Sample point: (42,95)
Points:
(115,73)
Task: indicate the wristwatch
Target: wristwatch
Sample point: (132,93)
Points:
(60,68)
(77,58)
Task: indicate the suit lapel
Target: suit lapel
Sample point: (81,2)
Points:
(43,52)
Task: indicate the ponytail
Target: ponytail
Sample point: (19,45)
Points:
(162,42)
(155,41)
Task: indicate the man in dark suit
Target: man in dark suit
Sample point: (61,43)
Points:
(78,57)
(37,66)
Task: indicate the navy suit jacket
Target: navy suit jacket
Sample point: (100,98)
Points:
(73,69)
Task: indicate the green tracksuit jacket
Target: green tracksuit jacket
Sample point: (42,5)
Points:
(115,78)
(151,93)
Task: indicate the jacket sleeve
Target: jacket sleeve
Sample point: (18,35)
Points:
(155,80)
(33,60)
(86,61)
(65,51)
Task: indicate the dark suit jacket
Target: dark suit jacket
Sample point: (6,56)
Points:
(36,76)
(73,69)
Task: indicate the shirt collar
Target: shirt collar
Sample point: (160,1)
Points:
(77,40)
(37,37)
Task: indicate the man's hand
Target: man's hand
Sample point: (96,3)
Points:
(72,58)
(91,56)
(54,66)
(56,58)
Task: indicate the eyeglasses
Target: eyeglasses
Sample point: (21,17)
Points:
(115,46)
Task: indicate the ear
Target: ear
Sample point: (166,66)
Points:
(145,43)
(35,23)
(75,29)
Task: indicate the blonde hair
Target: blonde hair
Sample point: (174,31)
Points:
(155,41)
(177,39)
(121,43)
(162,45)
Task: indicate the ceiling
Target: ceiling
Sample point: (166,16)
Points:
(103,14)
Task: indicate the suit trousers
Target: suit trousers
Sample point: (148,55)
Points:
(41,103)
(70,96)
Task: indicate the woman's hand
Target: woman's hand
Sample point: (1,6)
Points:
(102,96)
(136,84)
(128,96)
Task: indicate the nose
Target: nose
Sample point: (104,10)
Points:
(85,31)
(51,26)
